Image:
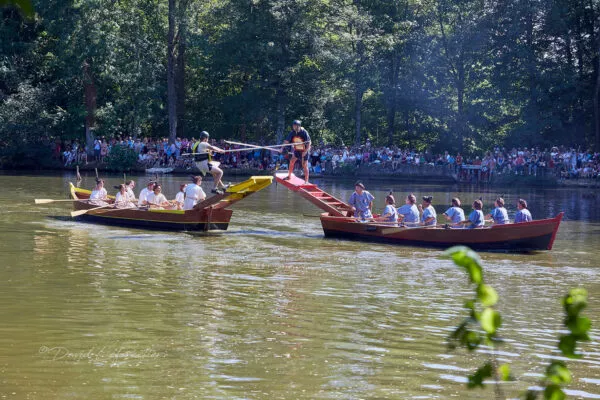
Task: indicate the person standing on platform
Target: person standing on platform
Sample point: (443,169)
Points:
(361,202)
(523,215)
(204,163)
(300,139)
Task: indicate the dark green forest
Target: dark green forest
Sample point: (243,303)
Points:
(463,75)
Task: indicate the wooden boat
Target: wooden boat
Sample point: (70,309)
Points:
(337,222)
(210,214)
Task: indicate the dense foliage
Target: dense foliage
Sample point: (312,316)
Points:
(453,74)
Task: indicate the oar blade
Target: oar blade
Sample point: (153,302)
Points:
(43,201)
(78,213)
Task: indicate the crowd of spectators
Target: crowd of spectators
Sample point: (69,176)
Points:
(563,162)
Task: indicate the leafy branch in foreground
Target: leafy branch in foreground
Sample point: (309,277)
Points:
(557,373)
(483,321)
(481,326)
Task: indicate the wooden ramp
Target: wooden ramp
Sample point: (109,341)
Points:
(317,196)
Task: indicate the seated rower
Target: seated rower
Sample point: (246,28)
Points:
(409,212)
(498,216)
(455,214)
(361,202)
(429,216)
(144,194)
(523,215)
(389,215)
(122,198)
(157,200)
(130,185)
(99,194)
(193,193)
(180,197)
(476,218)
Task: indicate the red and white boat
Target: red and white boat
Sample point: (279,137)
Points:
(337,222)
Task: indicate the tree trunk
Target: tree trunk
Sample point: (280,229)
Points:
(89,90)
(180,70)
(597,104)
(171,92)
(280,115)
(460,92)
(392,101)
(358,93)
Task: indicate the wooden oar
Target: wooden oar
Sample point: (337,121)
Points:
(46,201)
(252,146)
(81,212)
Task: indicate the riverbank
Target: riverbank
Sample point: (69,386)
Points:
(438,174)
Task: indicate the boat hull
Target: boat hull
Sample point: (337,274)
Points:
(529,236)
(167,220)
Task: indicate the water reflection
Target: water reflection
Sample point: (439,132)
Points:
(271,309)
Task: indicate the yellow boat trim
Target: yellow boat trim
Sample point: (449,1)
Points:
(75,190)
(155,210)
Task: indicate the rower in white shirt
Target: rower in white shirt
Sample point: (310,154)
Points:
(193,193)
(180,197)
(144,194)
(158,200)
(130,185)
(99,195)
(122,199)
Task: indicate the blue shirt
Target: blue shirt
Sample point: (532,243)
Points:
(392,214)
(361,203)
(456,214)
(499,215)
(523,216)
(410,212)
(477,219)
(428,213)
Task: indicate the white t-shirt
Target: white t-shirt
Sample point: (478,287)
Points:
(203,147)
(122,201)
(143,196)
(193,194)
(180,197)
(130,195)
(156,199)
(98,194)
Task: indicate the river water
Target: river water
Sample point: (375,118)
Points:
(270,309)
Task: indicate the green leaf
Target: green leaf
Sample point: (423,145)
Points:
(504,371)
(579,325)
(487,295)
(575,301)
(472,340)
(25,6)
(567,345)
(554,392)
(469,260)
(469,305)
(476,380)
(558,373)
(490,320)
